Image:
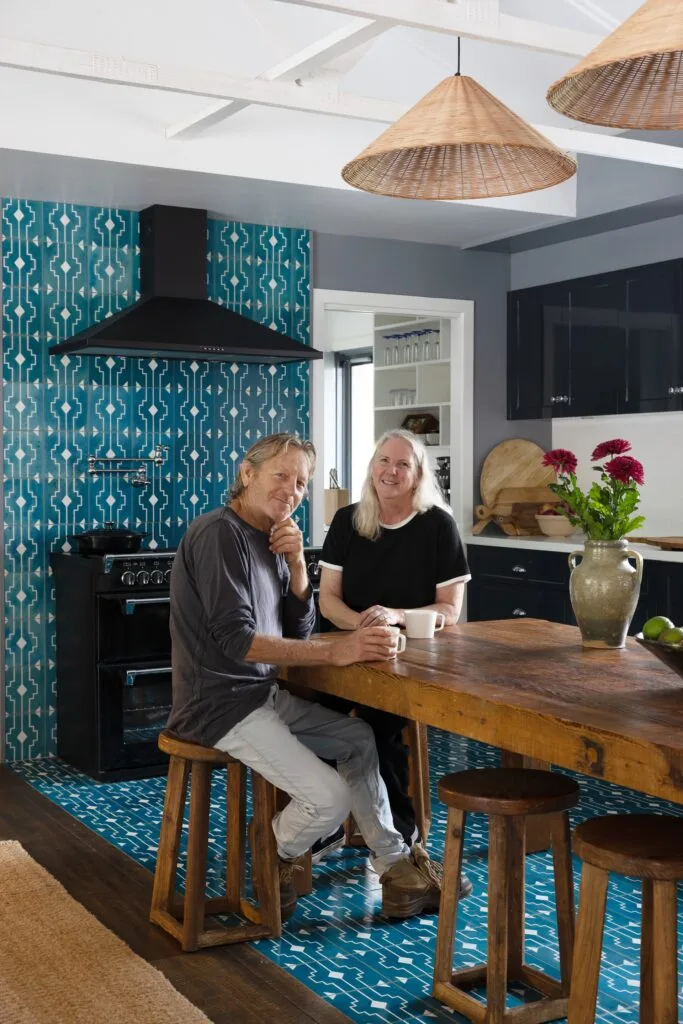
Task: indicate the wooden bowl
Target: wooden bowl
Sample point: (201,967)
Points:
(554,526)
(670,654)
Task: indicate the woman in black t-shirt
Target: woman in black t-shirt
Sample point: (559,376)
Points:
(397,548)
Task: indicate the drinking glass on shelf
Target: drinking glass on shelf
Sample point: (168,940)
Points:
(437,346)
(426,350)
(395,396)
(388,356)
(416,351)
(406,352)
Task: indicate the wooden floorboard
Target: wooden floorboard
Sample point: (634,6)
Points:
(232,985)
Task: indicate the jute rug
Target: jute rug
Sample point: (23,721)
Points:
(60,965)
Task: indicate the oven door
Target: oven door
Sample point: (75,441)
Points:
(132,627)
(135,703)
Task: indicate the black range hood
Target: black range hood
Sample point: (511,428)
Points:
(174,318)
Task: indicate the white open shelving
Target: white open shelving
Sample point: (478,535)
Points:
(429,379)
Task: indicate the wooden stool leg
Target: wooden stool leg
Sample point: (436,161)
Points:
(415,737)
(537,825)
(236,795)
(497,958)
(265,864)
(586,965)
(197,849)
(514,870)
(564,895)
(658,954)
(450,888)
(163,893)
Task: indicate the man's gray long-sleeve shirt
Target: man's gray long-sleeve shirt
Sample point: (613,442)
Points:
(226,587)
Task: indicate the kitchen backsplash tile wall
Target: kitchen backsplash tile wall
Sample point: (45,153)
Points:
(64,267)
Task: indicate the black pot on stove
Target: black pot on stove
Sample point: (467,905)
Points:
(110,540)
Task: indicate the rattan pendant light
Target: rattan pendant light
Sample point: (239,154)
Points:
(459,142)
(634,78)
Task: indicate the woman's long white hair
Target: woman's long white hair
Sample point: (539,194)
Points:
(427,493)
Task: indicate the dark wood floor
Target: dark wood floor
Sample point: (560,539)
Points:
(232,985)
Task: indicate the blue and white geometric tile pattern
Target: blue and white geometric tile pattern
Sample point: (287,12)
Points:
(373,970)
(65,267)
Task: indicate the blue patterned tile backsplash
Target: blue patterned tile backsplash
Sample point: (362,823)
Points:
(63,268)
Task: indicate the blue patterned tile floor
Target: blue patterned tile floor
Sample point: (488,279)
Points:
(337,943)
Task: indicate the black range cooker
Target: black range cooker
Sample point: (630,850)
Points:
(113,661)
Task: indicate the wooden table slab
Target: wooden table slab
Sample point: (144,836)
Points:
(528,686)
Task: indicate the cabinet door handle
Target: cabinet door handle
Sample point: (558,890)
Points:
(559,400)
(676,390)
(519,613)
(519,569)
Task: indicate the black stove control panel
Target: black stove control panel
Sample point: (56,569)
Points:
(146,570)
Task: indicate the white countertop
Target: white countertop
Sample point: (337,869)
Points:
(573,543)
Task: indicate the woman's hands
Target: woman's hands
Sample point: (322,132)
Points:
(379,615)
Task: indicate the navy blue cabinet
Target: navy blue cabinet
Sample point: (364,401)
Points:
(652,318)
(600,345)
(509,582)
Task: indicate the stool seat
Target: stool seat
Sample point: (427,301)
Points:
(639,845)
(517,791)
(174,746)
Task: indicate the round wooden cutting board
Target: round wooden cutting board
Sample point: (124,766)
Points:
(514,463)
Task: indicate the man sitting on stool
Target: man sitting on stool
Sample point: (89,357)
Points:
(241,605)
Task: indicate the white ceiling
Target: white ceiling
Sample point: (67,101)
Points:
(70,138)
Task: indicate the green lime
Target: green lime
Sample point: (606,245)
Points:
(671,636)
(655,626)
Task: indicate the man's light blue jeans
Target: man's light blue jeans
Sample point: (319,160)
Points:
(284,740)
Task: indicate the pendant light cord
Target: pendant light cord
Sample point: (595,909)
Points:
(457,73)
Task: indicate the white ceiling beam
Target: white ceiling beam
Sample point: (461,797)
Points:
(452,19)
(312,98)
(337,44)
(614,147)
(596,13)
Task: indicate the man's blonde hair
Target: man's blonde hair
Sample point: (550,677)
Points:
(269,447)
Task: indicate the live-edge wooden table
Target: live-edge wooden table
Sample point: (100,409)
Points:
(530,688)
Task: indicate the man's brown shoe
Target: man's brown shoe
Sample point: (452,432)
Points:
(411,886)
(286,869)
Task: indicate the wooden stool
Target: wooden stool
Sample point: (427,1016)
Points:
(184,917)
(644,846)
(507,797)
(415,738)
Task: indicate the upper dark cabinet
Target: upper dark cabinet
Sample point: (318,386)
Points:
(652,319)
(611,343)
(525,355)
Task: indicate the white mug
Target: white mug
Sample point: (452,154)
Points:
(400,640)
(421,623)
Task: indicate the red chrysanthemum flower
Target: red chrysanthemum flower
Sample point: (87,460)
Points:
(561,460)
(616,447)
(626,470)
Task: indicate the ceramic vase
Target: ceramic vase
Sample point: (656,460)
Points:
(604,588)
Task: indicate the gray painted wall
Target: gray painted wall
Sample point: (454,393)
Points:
(435,271)
(613,250)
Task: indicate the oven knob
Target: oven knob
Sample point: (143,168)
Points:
(167,576)
(157,577)
(128,578)
(142,577)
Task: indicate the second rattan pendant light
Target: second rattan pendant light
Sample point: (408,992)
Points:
(459,142)
(634,78)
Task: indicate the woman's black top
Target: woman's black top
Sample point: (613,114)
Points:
(403,567)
